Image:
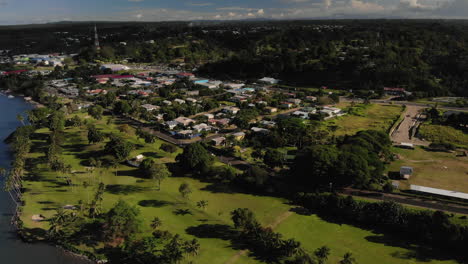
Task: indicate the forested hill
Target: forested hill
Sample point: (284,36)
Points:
(428,57)
(424,56)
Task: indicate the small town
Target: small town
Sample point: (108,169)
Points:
(154,150)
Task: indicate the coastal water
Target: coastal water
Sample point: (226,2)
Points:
(13,250)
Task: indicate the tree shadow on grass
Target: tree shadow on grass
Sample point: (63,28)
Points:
(183,212)
(45,202)
(219,231)
(154,203)
(153,155)
(227,233)
(417,252)
(124,189)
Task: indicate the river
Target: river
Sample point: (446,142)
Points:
(13,250)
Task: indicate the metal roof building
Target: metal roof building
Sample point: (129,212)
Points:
(453,194)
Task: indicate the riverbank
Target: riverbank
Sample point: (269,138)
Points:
(12,248)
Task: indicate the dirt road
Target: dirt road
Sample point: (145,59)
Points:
(406,130)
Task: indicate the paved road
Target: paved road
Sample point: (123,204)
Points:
(406,130)
(406,200)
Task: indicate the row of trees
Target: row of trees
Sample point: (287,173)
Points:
(271,247)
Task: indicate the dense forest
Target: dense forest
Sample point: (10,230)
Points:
(425,57)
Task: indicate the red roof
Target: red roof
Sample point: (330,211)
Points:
(14,72)
(185,74)
(123,77)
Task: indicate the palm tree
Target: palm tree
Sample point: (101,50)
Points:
(291,247)
(192,247)
(322,254)
(348,259)
(20,118)
(202,204)
(156,223)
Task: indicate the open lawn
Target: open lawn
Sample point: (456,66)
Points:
(446,134)
(367,247)
(375,116)
(49,191)
(433,169)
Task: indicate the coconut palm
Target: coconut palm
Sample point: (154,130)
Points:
(192,247)
(156,223)
(322,254)
(20,118)
(202,204)
(348,259)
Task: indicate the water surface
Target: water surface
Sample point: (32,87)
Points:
(13,250)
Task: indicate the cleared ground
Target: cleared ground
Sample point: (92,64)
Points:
(433,169)
(374,116)
(407,128)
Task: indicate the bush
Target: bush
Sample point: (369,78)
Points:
(168,148)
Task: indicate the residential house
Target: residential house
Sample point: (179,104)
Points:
(234,85)
(184,121)
(219,122)
(238,136)
(287,104)
(269,124)
(191,100)
(150,107)
(186,134)
(202,127)
(269,80)
(231,110)
(259,130)
(179,101)
(406,172)
(294,101)
(166,102)
(218,141)
(301,114)
(171,124)
(271,110)
(209,116)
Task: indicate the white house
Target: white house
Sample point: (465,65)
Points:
(231,110)
(184,121)
(179,101)
(150,107)
(202,127)
(269,80)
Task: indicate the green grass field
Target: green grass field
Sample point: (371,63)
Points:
(433,169)
(50,192)
(376,117)
(366,246)
(436,133)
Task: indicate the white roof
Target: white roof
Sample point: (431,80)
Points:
(442,192)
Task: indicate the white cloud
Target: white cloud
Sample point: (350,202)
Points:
(366,7)
(261,12)
(139,16)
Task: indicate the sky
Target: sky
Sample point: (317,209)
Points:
(42,11)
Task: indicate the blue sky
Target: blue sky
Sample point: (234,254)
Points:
(40,11)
